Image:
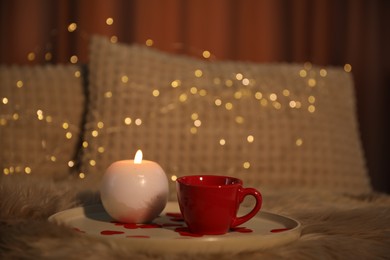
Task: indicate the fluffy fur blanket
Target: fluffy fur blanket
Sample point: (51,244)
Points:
(334,226)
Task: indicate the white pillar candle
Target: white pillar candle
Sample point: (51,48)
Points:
(134,191)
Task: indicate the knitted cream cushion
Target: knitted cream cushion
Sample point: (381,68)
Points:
(40,119)
(272,125)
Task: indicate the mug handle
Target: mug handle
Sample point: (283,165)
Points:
(242,193)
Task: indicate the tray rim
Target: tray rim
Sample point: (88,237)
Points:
(204,244)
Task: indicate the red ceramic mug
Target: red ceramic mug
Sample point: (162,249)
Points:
(209,203)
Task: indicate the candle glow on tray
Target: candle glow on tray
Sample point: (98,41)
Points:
(134,191)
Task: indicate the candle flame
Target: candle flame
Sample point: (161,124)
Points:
(138,157)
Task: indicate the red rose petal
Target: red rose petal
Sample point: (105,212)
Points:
(177,217)
(174,215)
(152,225)
(111,232)
(130,226)
(242,230)
(183,231)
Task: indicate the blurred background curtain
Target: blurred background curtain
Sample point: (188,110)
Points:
(323,32)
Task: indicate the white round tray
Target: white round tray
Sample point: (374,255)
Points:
(168,233)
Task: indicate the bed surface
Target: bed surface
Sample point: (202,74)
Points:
(334,226)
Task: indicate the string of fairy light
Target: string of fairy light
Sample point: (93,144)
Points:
(264,100)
